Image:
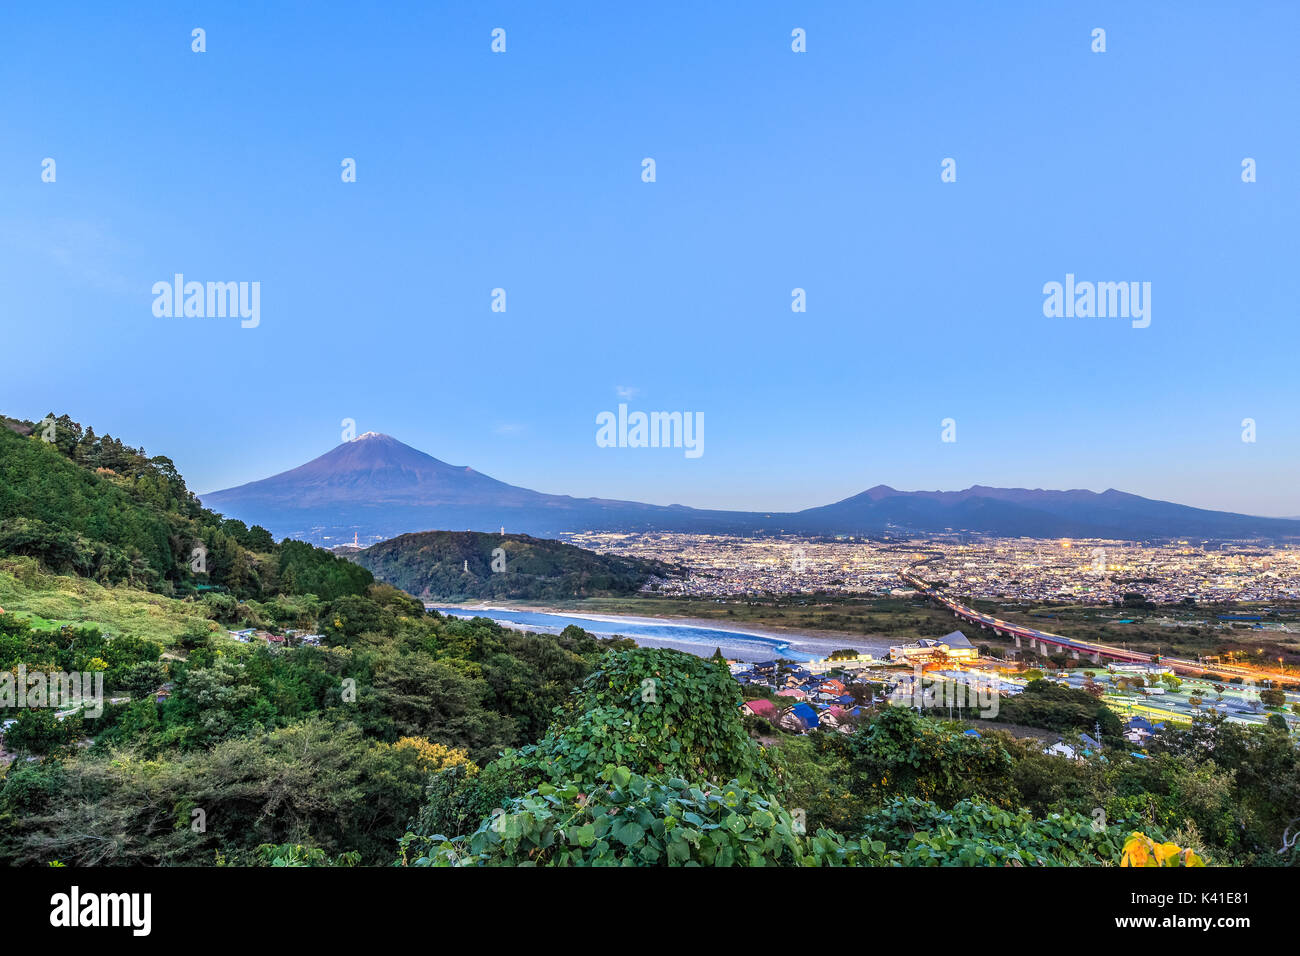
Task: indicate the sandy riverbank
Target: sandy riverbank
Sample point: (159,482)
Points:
(815,643)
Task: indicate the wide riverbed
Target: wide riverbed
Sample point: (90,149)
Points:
(694,638)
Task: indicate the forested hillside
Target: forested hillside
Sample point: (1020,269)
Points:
(326,748)
(469,565)
(94,507)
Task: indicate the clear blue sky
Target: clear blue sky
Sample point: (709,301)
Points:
(775,170)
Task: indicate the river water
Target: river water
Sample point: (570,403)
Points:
(700,640)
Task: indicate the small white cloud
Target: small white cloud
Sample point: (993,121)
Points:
(509,428)
(626,391)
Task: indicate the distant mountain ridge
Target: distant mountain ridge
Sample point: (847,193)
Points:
(376,485)
(1037,513)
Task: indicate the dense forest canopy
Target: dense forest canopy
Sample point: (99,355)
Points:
(470,565)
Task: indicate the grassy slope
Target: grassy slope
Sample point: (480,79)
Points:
(61,599)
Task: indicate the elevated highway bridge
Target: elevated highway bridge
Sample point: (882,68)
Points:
(1081,650)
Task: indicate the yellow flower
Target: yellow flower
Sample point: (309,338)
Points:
(430,757)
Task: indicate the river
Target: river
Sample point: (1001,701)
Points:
(698,639)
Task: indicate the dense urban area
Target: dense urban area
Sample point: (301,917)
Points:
(1027,569)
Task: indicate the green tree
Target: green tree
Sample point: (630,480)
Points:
(38,732)
(902,754)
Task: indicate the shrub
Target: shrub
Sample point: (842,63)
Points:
(654,711)
(629,819)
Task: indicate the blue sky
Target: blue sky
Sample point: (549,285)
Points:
(775,170)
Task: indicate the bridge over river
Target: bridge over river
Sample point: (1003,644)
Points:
(1080,650)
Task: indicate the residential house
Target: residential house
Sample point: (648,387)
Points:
(800,718)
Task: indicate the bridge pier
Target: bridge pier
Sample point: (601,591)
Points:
(1074,652)
(1096,657)
(1017,640)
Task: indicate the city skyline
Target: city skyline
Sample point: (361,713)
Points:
(776,171)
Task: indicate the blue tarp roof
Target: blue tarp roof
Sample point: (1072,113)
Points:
(805,715)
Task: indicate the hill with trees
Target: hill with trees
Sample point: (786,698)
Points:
(470,565)
(325,748)
(94,507)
